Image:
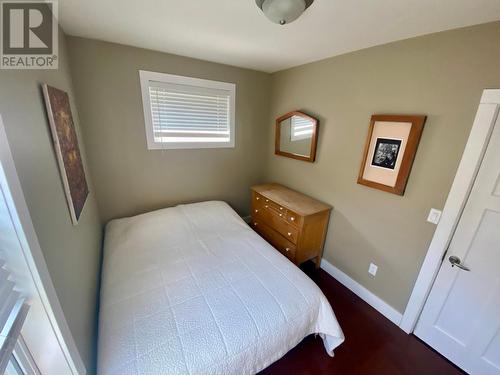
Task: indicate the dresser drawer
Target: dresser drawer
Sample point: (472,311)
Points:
(274,238)
(278,222)
(280,210)
(260,206)
(257,198)
(292,222)
(263,202)
(293,218)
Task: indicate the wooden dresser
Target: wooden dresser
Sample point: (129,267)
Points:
(292,222)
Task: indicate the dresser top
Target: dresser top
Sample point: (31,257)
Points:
(291,199)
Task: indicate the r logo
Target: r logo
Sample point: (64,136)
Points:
(27,28)
(29,34)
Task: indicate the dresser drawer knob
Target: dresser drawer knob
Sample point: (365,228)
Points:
(267,200)
(281,208)
(292,218)
(266,206)
(287,249)
(256,210)
(281,215)
(289,234)
(255,224)
(257,198)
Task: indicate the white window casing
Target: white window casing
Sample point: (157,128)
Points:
(183,112)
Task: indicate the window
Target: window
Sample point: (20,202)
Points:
(302,128)
(184,112)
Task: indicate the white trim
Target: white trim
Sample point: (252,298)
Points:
(146,77)
(374,301)
(24,358)
(457,197)
(33,256)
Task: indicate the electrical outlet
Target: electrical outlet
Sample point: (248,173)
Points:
(434,216)
(372,270)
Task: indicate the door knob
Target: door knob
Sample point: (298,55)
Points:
(455,261)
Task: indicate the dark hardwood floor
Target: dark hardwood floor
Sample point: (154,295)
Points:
(373,344)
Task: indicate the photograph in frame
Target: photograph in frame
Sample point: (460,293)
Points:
(390,149)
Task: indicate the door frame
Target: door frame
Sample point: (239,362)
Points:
(468,168)
(31,265)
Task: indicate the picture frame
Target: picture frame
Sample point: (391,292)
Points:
(389,151)
(67,150)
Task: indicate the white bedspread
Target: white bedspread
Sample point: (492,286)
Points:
(193,290)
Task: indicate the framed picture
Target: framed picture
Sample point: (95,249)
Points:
(389,151)
(67,150)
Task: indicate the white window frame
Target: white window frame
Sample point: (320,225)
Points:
(146,77)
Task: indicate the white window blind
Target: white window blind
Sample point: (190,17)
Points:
(184,112)
(302,128)
(13,311)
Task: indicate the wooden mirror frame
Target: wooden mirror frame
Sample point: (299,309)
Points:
(314,140)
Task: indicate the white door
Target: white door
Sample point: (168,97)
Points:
(461,318)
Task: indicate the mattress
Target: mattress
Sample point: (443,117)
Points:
(193,290)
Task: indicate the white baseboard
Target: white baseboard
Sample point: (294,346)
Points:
(378,304)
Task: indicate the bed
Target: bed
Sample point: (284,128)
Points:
(192,289)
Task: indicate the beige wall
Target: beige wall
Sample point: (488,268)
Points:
(131,179)
(72,253)
(441,76)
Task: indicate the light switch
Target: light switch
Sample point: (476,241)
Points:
(434,216)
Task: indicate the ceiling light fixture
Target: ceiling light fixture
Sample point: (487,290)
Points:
(283,11)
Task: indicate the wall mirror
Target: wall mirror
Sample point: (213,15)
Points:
(296,136)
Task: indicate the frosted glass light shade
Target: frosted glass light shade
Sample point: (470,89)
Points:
(283,11)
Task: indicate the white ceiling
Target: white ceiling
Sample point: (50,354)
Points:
(236,32)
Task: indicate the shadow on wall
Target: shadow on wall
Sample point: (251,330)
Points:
(343,234)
